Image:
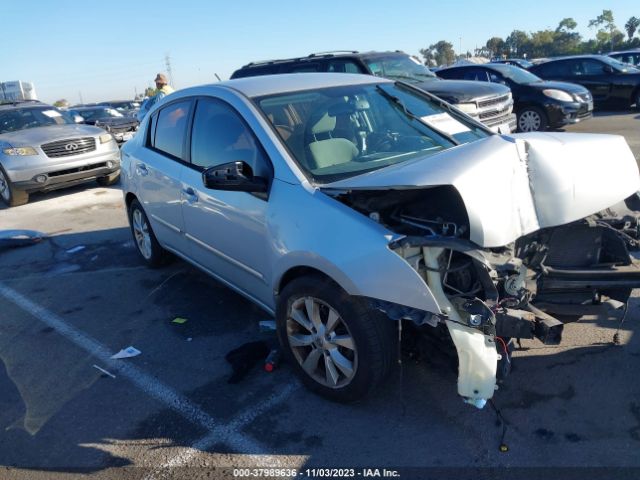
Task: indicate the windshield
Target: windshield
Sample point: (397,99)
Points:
(98,113)
(622,67)
(400,67)
(336,133)
(515,74)
(23,118)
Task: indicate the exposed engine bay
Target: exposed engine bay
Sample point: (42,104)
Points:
(488,296)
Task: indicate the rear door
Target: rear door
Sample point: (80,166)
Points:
(596,79)
(226,230)
(157,171)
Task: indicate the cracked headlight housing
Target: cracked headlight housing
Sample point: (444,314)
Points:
(20,151)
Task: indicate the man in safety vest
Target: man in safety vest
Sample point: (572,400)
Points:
(162,90)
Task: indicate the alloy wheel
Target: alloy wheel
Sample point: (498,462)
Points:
(321,342)
(141,233)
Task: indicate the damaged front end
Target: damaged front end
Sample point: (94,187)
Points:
(487,296)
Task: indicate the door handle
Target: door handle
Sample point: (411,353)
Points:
(190,194)
(141,169)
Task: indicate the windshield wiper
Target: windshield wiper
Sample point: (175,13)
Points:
(400,104)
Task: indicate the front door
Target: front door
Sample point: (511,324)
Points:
(227,230)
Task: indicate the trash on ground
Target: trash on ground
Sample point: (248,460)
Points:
(104,371)
(127,353)
(267,325)
(76,249)
(245,357)
(179,320)
(272,361)
(20,238)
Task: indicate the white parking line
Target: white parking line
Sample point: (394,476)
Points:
(217,432)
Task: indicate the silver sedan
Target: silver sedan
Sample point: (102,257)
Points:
(348,206)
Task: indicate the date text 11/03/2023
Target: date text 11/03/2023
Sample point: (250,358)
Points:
(315,473)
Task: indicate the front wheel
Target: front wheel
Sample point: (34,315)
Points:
(340,347)
(9,194)
(144,238)
(532,119)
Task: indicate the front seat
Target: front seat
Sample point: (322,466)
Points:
(326,150)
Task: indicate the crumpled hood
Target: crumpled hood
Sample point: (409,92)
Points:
(460,91)
(515,185)
(51,133)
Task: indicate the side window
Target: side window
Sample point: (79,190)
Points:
(221,136)
(151,131)
(592,67)
(495,77)
(171,129)
(475,74)
(558,69)
(304,68)
(343,66)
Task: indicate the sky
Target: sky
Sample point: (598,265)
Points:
(96,51)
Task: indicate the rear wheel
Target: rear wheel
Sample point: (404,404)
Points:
(109,180)
(9,194)
(146,243)
(340,347)
(532,119)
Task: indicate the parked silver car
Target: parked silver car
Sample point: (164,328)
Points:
(42,149)
(343,204)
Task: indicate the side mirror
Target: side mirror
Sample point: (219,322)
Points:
(235,177)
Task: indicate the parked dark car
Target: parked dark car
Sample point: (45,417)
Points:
(516,62)
(632,57)
(611,82)
(489,104)
(126,107)
(120,126)
(538,104)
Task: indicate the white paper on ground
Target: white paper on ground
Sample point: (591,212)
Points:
(127,353)
(445,123)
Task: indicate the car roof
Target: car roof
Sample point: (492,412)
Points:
(571,57)
(91,107)
(295,82)
(631,50)
(9,105)
(323,55)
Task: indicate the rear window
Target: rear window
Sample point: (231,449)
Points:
(256,71)
(171,129)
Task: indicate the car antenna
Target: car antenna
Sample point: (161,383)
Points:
(219,79)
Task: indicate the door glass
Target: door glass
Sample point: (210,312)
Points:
(592,67)
(221,136)
(343,66)
(171,129)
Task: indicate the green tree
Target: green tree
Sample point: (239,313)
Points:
(518,43)
(441,53)
(631,26)
(62,103)
(566,25)
(606,29)
(496,46)
(566,41)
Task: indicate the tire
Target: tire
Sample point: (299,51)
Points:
(532,119)
(358,346)
(636,99)
(145,240)
(109,180)
(10,195)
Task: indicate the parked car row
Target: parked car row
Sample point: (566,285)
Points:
(120,126)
